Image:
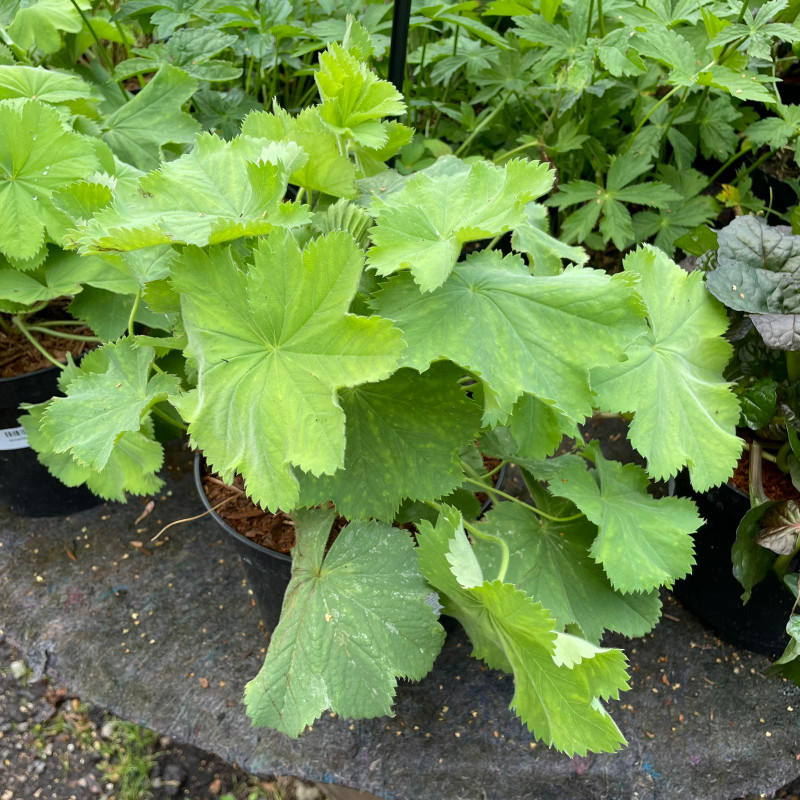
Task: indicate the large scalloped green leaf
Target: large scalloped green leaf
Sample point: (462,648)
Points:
(218,192)
(273,342)
(106,398)
(558,680)
(685,412)
(493,317)
(131,467)
(403,439)
(551,562)
(47,85)
(37,157)
(424,226)
(136,130)
(353,620)
(642,542)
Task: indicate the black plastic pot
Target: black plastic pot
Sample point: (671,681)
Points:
(25,484)
(713,594)
(267,571)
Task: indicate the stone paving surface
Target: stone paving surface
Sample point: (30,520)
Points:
(167,635)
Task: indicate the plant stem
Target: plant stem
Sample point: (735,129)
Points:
(757,495)
(505,496)
(495,470)
(135,308)
(62,335)
(26,333)
(100,48)
(601,17)
(51,323)
(167,418)
(519,149)
(481,125)
(649,114)
(793,365)
(487,537)
(121,33)
(300,192)
(735,157)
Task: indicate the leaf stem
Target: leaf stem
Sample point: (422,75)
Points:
(50,332)
(482,124)
(27,334)
(100,48)
(519,149)
(135,308)
(505,496)
(167,418)
(495,470)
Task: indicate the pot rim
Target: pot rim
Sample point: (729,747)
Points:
(198,482)
(33,374)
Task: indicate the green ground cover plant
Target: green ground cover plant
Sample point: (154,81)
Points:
(355,347)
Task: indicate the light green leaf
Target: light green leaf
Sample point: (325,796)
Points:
(218,192)
(326,170)
(37,156)
(556,692)
(102,404)
(494,318)
(47,85)
(273,342)
(131,468)
(551,562)
(685,412)
(424,225)
(320,656)
(403,439)
(40,23)
(354,99)
(136,130)
(642,542)
(538,428)
(546,253)
(741,85)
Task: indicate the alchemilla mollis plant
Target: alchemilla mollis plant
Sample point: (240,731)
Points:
(355,348)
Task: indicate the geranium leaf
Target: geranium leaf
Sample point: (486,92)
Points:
(136,131)
(491,299)
(218,192)
(557,687)
(642,542)
(685,412)
(403,439)
(273,342)
(86,422)
(424,225)
(131,467)
(319,657)
(37,156)
(551,562)
(41,23)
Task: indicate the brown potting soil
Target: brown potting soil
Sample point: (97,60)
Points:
(777,484)
(274,531)
(19,357)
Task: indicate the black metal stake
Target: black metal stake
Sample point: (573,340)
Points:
(399,45)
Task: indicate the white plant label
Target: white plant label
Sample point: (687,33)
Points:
(13,439)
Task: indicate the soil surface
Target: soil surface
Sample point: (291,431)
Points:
(53,747)
(19,357)
(777,484)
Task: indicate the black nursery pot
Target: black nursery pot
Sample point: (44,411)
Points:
(267,571)
(711,591)
(25,484)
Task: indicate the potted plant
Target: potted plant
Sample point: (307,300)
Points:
(752,268)
(345,367)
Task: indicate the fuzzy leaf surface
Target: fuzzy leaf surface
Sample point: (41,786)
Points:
(403,439)
(272,343)
(685,412)
(555,696)
(218,192)
(136,130)
(103,403)
(527,320)
(37,157)
(423,226)
(642,542)
(551,562)
(353,621)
